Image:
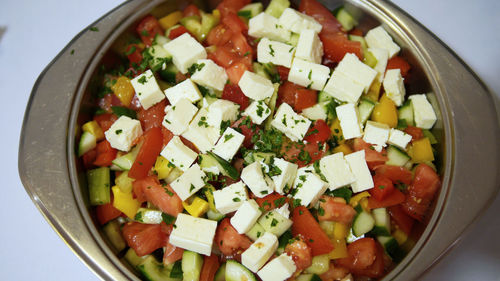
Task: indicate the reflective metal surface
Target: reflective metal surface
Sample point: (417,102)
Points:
(467,128)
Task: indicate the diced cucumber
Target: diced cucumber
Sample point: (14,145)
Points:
(274,222)
(208,21)
(133,259)
(405,112)
(250,10)
(209,164)
(294,39)
(148,216)
(392,248)
(191,265)
(363,223)
(220,275)
(272,72)
(258,68)
(87,142)
(99,186)
(346,20)
(308,277)
(361,40)
(124,182)
(255,232)
(396,156)
(114,234)
(365,109)
(318,111)
(158,57)
(319,265)
(214,215)
(226,168)
(193,25)
(265,157)
(276,7)
(168,74)
(153,270)
(160,40)
(272,106)
(370,59)
(174,174)
(382,222)
(126,161)
(430,136)
(324,96)
(237,272)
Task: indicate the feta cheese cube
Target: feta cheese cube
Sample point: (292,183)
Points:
(123,132)
(178,154)
(185,51)
(258,111)
(264,25)
(259,252)
(209,74)
(379,38)
(336,170)
(284,210)
(177,117)
(356,70)
(382,56)
(200,133)
(317,111)
(309,47)
(246,216)
(276,52)
(394,86)
(186,89)
(293,125)
(255,86)
(399,138)
(359,168)
(343,88)
(278,269)
(229,144)
(297,22)
(147,89)
(284,181)
(349,121)
(308,187)
(189,182)
(308,74)
(184,237)
(222,110)
(230,198)
(376,134)
(423,113)
(260,184)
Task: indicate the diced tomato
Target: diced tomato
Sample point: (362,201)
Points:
(134,55)
(365,258)
(283,72)
(229,241)
(105,120)
(320,13)
(164,197)
(304,224)
(382,187)
(176,32)
(421,192)
(403,221)
(415,132)
(248,129)
(335,210)
(148,28)
(105,154)
(305,98)
(233,93)
(303,154)
(191,10)
(286,93)
(153,116)
(296,96)
(394,198)
(106,213)
(172,253)
(88,158)
(231,6)
(234,23)
(219,35)
(167,135)
(224,56)
(356,32)
(373,158)
(241,46)
(149,151)
(108,101)
(395,173)
(337,46)
(334,273)
(210,266)
(319,132)
(399,62)
(143,238)
(271,201)
(300,252)
(236,70)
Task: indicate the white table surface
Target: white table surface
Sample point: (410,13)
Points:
(38,30)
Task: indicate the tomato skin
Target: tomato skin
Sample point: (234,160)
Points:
(283,72)
(153,116)
(210,266)
(320,13)
(233,93)
(395,173)
(305,98)
(403,221)
(242,47)
(164,197)
(88,158)
(231,6)
(286,93)
(176,32)
(105,154)
(292,151)
(365,258)
(334,273)
(373,158)
(337,46)
(421,192)
(400,63)
(143,238)
(148,28)
(394,198)
(172,253)
(146,158)
(301,253)
(234,23)
(248,129)
(236,70)
(305,225)
(415,132)
(382,187)
(335,210)
(219,35)
(191,10)
(319,132)
(229,241)
(296,96)
(268,202)
(106,213)
(134,54)
(105,120)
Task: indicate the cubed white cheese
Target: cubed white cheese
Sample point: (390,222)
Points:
(382,56)
(209,74)
(423,113)
(185,51)
(179,154)
(178,116)
(309,47)
(228,144)
(290,123)
(259,252)
(260,184)
(394,86)
(284,210)
(336,170)
(379,38)
(317,111)
(258,111)
(308,187)
(246,216)
(278,269)
(276,52)
(356,70)
(308,74)
(184,237)
(377,134)
(343,88)
(123,132)
(399,138)
(255,86)
(189,182)
(230,198)
(200,133)
(186,89)
(264,25)
(147,89)
(349,121)
(297,22)
(222,110)
(284,181)
(359,168)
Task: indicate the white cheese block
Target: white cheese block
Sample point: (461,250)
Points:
(382,56)
(423,113)
(189,183)
(343,88)
(284,181)
(359,168)
(230,198)
(293,125)
(264,25)
(376,134)
(228,144)
(258,111)
(259,252)
(297,22)
(246,216)
(185,51)
(308,187)
(184,237)
(394,86)
(123,133)
(278,269)
(349,121)
(379,38)
(399,138)
(276,52)
(309,47)
(259,183)
(209,74)
(147,89)
(179,154)
(186,89)
(222,110)
(356,70)
(200,133)
(178,116)
(255,86)
(308,74)
(336,170)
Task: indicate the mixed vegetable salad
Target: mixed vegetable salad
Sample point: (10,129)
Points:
(254,143)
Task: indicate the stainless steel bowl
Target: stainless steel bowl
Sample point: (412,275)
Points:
(467,127)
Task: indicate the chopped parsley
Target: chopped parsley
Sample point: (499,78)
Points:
(195,67)
(228,137)
(224,125)
(321,211)
(203,122)
(310,74)
(166,121)
(260,110)
(236,199)
(274,222)
(381,186)
(94,29)
(168,219)
(138,217)
(271,50)
(130,50)
(143,80)
(296,202)
(72,51)
(144,33)
(191,188)
(119,131)
(123,111)
(284,120)
(279,202)
(343,192)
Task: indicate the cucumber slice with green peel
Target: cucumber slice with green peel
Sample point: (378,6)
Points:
(99,186)
(215,216)
(191,265)
(405,112)
(133,259)
(124,182)
(318,111)
(319,265)
(265,157)
(272,72)
(158,56)
(168,74)
(346,20)
(370,59)
(220,275)
(208,21)
(363,223)
(308,277)
(251,10)
(153,270)
(193,25)
(382,222)
(272,106)
(258,68)
(237,272)
(209,163)
(174,174)
(87,143)
(430,136)
(396,156)
(361,40)
(227,168)
(365,109)
(255,232)
(114,235)
(324,96)
(392,248)
(294,39)
(274,222)
(276,7)
(126,161)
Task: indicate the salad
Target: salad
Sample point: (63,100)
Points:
(259,143)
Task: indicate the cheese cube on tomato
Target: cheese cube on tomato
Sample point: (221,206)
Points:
(147,89)
(379,38)
(376,134)
(222,110)
(284,180)
(228,144)
(309,74)
(255,86)
(359,168)
(230,198)
(349,121)
(186,89)
(297,22)
(209,74)
(423,113)
(394,86)
(184,236)
(259,252)
(356,70)
(343,88)
(309,47)
(200,133)
(246,216)
(293,125)
(178,154)
(308,187)
(336,170)
(279,269)
(260,184)
(178,116)
(276,52)
(382,56)
(123,133)
(399,138)
(189,182)
(258,111)
(264,25)
(185,51)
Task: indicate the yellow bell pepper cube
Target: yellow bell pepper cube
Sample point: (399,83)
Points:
(374,91)
(170,20)
(339,249)
(162,167)
(340,231)
(357,198)
(197,208)
(400,236)
(328,227)
(125,202)
(344,148)
(337,131)
(94,128)
(216,14)
(385,112)
(124,90)
(421,151)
